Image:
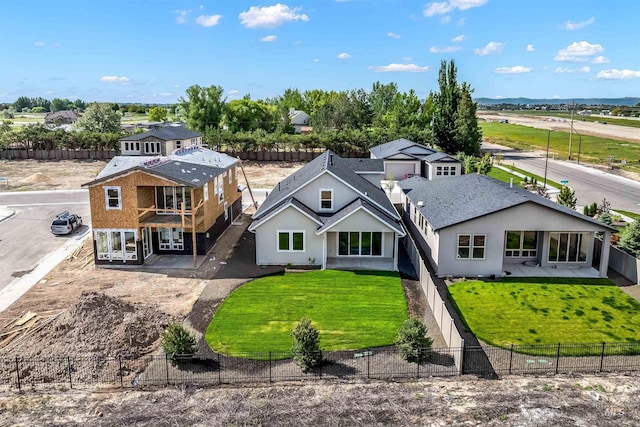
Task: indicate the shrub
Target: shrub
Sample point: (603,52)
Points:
(306,345)
(413,343)
(178,341)
(630,240)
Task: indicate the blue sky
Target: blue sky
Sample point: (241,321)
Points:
(152,50)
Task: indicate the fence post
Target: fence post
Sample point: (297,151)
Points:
(120,370)
(368,361)
(270,367)
(166,366)
(510,358)
(602,356)
(558,358)
(418,363)
(69,370)
(18,374)
(219,370)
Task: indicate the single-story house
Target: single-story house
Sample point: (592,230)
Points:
(159,141)
(62,117)
(403,159)
(331,213)
(474,225)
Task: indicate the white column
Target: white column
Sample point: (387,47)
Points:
(324,251)
(395,251)
(604,254)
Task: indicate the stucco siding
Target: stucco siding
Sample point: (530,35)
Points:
(360,221)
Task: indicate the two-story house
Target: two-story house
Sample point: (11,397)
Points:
(175,204)
(159,141)
(330,213)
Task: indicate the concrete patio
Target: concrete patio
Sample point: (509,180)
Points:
(521,270)
(356,263)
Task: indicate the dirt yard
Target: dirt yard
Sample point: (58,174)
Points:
(111,312)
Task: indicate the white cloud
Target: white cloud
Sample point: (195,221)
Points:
(531,48)
(208,20)
(233,92)
(38,43)
(585,69)
(270,38)
(518,69)
(393,35)
(344,55)
(600,60)
(619,74)
(270,16)
(112,79)
(577,25)
(443,7)
(400,68)
(181,16)
(458,39)
(491,47)
(578,52)
(445,49)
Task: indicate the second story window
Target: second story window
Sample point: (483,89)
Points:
(326,199)
(113,198)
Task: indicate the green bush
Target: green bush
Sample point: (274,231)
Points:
(178,341)
(306,345)
(413,343)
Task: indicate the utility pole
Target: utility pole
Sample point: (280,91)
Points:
(573,107)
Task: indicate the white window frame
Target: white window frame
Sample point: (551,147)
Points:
(453,171)
(471,247)
(108,256)
(581,235)
(107,198)
(438,170)
(205,189)
(359,254)
(172,245)
(510,253)
(291,233)
(320,200)
(221,189)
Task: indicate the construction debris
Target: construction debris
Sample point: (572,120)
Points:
(23,326)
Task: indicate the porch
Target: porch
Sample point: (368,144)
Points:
(524,270)
(360,263)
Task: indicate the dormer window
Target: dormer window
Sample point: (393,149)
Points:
(326,199)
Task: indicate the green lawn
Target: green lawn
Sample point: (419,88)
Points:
(631,215)
(592,150)
(503,175)
(547,311)
(352,310)
(620,121)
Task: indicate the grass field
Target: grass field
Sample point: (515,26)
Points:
(352,310)
(592,149)
(505,176)
(547,311)
(632,215)
(620,121)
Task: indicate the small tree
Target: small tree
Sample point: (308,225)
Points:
(606,218)
(412,342)
(567,197)
(630,240)
(542,191)
(604,206)
(484,165)
(306,345)
(157,114)
(178,341)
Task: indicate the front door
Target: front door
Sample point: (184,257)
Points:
(171,239)
(147,246)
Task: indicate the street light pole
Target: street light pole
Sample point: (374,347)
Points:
(579,145)
(546,160)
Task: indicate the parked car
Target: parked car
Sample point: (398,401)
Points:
(65,223)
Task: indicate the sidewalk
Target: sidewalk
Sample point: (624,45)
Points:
(5,213)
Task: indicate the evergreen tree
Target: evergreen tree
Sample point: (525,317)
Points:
(306,345)
(630,241)
(412,342)
(567,197)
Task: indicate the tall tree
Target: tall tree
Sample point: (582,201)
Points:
(454,124)
(381,100)
(58,104)
(204,107)
(99,118)
(157,114)
(630,240)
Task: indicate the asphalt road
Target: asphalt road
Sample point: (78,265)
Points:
(25,237)
(591,185)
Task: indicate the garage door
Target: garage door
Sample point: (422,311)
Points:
(399,171)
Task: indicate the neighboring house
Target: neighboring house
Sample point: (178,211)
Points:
(159,141)
(63,117)
(299,120)
(474,225)
(174,204)
(403,159)
(330,213)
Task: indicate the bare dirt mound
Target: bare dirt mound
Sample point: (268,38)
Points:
(98,325)
(35,178)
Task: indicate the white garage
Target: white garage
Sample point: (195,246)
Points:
(400,170)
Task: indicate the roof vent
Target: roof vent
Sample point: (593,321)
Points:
(420,203)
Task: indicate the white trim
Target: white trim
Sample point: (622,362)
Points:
(267,218)
(291,233)
(382,242)
(320,199)
(109,255)
(205,189)
(589,237)
(106,197)
(370,213)
(471,247)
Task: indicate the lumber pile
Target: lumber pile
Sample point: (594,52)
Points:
(21,327)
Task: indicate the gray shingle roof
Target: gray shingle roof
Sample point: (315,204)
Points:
(401,146)
(165,133)
(295,202)
(364,165)
(355,205)
(440,157)
(458,199)
(326,162)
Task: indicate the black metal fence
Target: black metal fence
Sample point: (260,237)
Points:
(378,363)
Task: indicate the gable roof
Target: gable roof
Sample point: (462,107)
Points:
(364,165)
(441,157)
(165,133)
(62,114)
(353,207)
(292,201)
(401,146)
(327,162)
(192,166)
(458,199)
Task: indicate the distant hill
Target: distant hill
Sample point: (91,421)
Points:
(629,102)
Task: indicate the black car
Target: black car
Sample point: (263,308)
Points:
(65,223)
